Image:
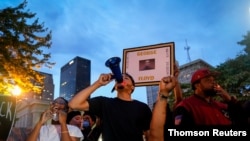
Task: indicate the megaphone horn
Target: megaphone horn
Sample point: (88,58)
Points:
(113,64)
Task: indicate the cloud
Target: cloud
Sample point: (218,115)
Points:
(98,30)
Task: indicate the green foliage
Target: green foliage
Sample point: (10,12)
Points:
(22,43)
(246,42)
(235,73)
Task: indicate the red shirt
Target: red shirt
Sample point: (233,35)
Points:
(200,112)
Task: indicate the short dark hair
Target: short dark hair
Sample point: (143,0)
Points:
(131,78)
(71,115)
(92,116)
(65,104)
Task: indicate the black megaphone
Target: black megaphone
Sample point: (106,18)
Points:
(113,64)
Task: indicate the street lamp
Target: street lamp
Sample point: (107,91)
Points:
(16,91)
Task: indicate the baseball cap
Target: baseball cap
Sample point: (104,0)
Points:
(202,73)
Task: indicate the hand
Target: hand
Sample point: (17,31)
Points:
(167,84)
(46,115)
(222,93)
(104,79)
(62,117)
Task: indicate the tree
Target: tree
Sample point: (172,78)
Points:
(22,41)
(235,73)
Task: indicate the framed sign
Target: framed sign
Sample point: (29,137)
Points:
(148,64)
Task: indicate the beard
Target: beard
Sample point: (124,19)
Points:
(120,87)
(210,92)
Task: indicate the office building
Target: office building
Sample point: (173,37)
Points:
(48,90)
(75,76)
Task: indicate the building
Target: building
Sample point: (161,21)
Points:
(75,76)
(30,106)
(28,112)
(186,71)
(48,91)
(152,92)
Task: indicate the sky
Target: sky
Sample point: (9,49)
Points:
(100,29)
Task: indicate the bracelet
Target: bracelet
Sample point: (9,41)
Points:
(163,96)
(64,132)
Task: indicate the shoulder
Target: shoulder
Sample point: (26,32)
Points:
(185,104)
(48,126)
(100,98)
(74,131)
(72,127)
(140,103)
(189,99)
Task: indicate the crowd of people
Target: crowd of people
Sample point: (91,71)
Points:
(125,119)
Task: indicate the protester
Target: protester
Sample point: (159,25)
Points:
(177,91)
(201,108)
(178,96)
(58,130)
(74,118)
(123,118)
(160,112)
(91,127)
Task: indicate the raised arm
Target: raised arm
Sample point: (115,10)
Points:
(159,114)
(79,101)
(36,130)
(65,133)
(178,96)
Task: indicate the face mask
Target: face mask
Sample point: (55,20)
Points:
(85,124)
(55,117)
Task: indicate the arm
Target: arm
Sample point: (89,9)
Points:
(177,94)
(64,129)
(177,90)
(43,119)
(235,109)
(159,112)
(65,136)
(79,101)
(224,94)
(158,120)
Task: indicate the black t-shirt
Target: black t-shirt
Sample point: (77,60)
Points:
(121,120)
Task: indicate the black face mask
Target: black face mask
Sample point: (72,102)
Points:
(210,92)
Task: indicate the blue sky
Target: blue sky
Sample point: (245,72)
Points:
(100,29)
